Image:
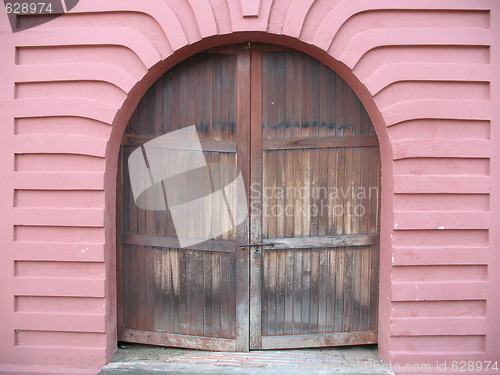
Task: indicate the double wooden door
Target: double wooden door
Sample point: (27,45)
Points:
(302,270)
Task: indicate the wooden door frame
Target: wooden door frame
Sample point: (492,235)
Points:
(255,202)
(243,133)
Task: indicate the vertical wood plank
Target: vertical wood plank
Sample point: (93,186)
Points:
(332,107)
(364,316)
(347,190)
(175,281)
(257,120)
(297,293)
(348,290)
(167,288)
(315,290)
(313,73)
(243,135)
(323,281)
(374,280)
(270,195)
(331,182)
(289,293)
(262,192)
(298,167)
(331,307)
(339,289)
(217,293)
(289,95)
(364,224)
(304,186)
(158,290)
(315,210)
(232,300)
(356,184)
(279,211)
(265,294)
(357,125)
(199,283)
(149,286)
(190,293)
(125,276)
(208,324)
(306,292)
(356,289)
(324,95)
(140,277)
(339,108)
(216,133)
(225,296)
(281,293)
(184,313)
(289,187)
(342,192)
(271,296)
(298,85)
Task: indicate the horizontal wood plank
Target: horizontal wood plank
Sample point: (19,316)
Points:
(316,242)
(173,242)
(319,142)
(307,341)
(178,341)
(207,145)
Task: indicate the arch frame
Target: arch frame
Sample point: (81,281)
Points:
(386,155)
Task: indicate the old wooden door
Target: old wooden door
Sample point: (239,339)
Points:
(309,158)
(193,297)
(315,182)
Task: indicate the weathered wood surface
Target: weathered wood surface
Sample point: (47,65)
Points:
(311,341)
(318,241)
(180,341)
(173,242)
(319,142)
(320,193)
(255,201)
(183,297)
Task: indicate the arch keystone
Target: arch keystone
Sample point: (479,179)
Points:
(250,8)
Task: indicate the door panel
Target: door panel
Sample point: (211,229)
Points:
(309,157)
(319,290)
(319,208)
(176,296)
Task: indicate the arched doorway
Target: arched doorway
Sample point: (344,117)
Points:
(309,159)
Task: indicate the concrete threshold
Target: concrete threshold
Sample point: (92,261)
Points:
(151,360)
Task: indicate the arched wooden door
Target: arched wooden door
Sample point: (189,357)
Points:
(302,270)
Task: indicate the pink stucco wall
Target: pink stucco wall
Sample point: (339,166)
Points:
(428,71)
